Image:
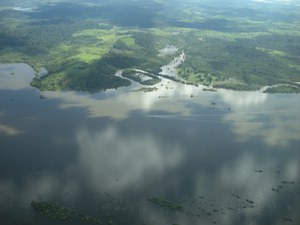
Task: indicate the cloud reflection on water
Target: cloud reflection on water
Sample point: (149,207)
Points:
(272,118)
(120,161)
(15,76)
(113,161)
(9,130)
(170,97)
(252,114)
(116,161)
(244,100)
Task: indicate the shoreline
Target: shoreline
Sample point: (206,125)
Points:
(178,60)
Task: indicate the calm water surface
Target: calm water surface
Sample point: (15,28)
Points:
(226,158)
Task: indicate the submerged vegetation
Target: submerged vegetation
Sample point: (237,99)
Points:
(58,212)
(83,45)
(173,206)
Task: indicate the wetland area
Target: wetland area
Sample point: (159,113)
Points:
(175,155)
(149,112)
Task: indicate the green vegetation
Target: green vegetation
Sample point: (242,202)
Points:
(58,212)
(173,206)
(234,64)
(285,89)
(210,89)
(145,89)
(141,77)
(83,45)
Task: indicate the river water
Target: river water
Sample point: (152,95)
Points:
(225,157)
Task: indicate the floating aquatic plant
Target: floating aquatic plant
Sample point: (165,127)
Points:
(58,212)
(173,206)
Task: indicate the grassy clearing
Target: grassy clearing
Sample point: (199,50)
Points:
(223,48)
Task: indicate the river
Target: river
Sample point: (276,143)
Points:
(225,157)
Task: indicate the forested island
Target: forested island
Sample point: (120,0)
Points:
(83,44)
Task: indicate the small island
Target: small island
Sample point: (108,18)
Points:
(284,89)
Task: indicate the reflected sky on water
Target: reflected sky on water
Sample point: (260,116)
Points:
(227,157)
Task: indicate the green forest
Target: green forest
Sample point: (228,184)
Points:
(82,45)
